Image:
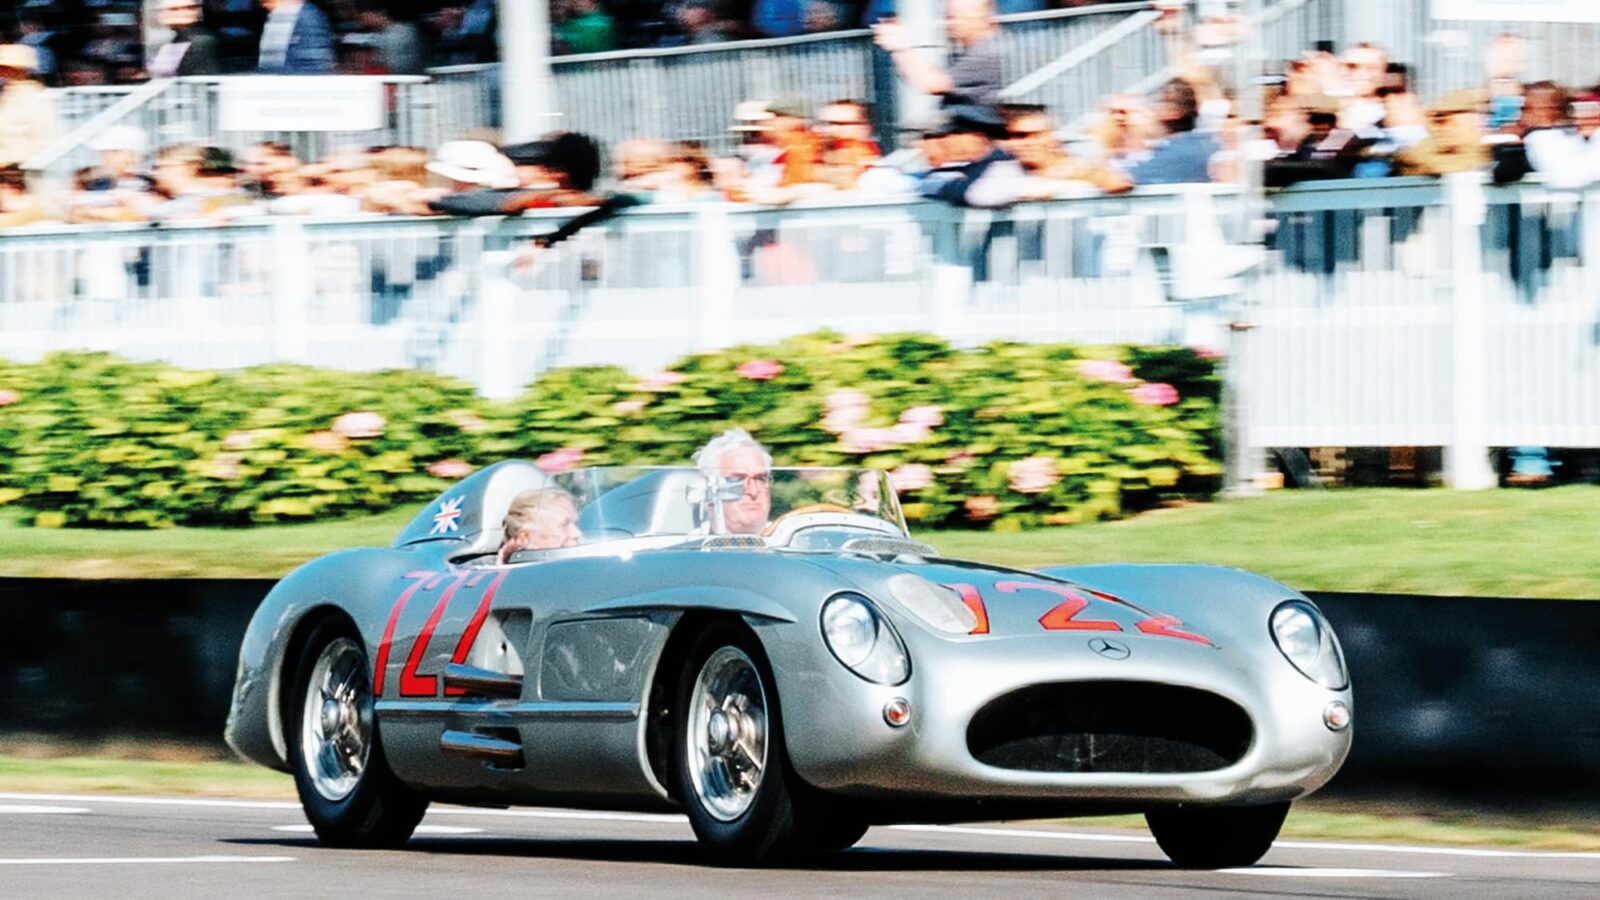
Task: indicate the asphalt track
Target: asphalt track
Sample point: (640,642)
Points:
(92,846)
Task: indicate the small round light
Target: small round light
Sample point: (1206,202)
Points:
(1336,716)
(897,712)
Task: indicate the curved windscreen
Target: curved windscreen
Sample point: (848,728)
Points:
(803,508)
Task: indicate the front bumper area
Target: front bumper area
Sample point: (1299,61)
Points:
(839,742)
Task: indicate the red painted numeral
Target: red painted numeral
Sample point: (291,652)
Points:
(974,601)
(411,683)
(382,665)
(1064,616)
(1165,626)
(464,646)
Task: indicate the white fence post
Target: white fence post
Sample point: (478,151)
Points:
(1466,459)
(292,286)
(497,377)
(717,262)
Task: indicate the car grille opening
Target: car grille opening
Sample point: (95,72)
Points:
(1109,726)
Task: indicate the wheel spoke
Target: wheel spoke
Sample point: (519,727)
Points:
(335,729)
(727,728)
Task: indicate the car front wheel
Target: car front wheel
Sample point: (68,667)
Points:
(730,767)
(1211,837)
(345,786)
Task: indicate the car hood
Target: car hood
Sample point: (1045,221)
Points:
(1011,602)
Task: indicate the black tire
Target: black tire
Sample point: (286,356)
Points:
(771,829)
(1213,837)
(832,830)
(379,812)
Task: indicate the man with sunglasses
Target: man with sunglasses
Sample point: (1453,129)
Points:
(739,471)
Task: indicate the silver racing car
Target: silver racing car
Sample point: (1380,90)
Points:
(786,684)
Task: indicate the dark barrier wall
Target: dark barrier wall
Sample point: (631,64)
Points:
(1466,694)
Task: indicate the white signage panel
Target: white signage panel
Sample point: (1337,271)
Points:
(1518,10)
(301,103)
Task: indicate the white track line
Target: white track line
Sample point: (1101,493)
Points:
(156,801)
(9,809)
(304,828)
(141,860)
(664,819)
(1277,845)
(1292,872)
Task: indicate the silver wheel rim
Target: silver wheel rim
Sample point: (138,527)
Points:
(727,734)
(336,720)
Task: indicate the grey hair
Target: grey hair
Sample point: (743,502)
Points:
(709,459)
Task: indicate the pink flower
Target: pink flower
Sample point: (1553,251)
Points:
(557,461)
(983,506)
(1155,394)
(239,440)
(224,466)
(910,477)
(926,416)
(760,369)
(1105,370)
(867,440)
(839,421)
(450,468)
(660,381)
(9,397)
(468,421)
(846,398)
(959,458)
(358,425)
(847,409)
(1208,353)
(908,433)
(1033,475)
(327,442)
(629,407)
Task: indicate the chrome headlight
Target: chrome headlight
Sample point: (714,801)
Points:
(863,640)
(939,607)
(1306,640)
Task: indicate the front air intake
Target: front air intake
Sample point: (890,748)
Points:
(1109,726)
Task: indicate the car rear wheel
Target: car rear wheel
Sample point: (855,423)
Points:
(730,767)
(1202,837)
(349,794)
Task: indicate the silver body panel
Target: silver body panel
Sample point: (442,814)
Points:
(586,635)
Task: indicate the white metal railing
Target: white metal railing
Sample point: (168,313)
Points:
(1406,312)
(188,110)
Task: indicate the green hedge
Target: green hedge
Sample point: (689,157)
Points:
(1004,436)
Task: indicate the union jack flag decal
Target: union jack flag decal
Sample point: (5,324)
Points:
(448,518)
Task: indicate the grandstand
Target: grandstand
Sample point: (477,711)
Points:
(1428,280)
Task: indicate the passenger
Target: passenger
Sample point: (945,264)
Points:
(540,519)
(735,460)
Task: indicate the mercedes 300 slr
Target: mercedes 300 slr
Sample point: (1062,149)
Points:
(785,688)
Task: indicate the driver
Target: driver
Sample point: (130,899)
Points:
(734,461)
(540,519)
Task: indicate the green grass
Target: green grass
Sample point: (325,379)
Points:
(1311,820)
(181,774)
(266,552)
(1506,543)
(143,777)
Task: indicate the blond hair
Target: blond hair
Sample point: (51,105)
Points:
(525,508)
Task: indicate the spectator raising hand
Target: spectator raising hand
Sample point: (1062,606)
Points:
(975,74)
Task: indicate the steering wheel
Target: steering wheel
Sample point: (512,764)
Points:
(808,509)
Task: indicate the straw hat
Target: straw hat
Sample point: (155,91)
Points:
(18,56)
(474,162)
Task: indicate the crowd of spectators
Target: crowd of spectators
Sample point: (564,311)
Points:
(1328,115)
(89,42)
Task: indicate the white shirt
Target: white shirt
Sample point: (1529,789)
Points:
(1563,159)
(275,36)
